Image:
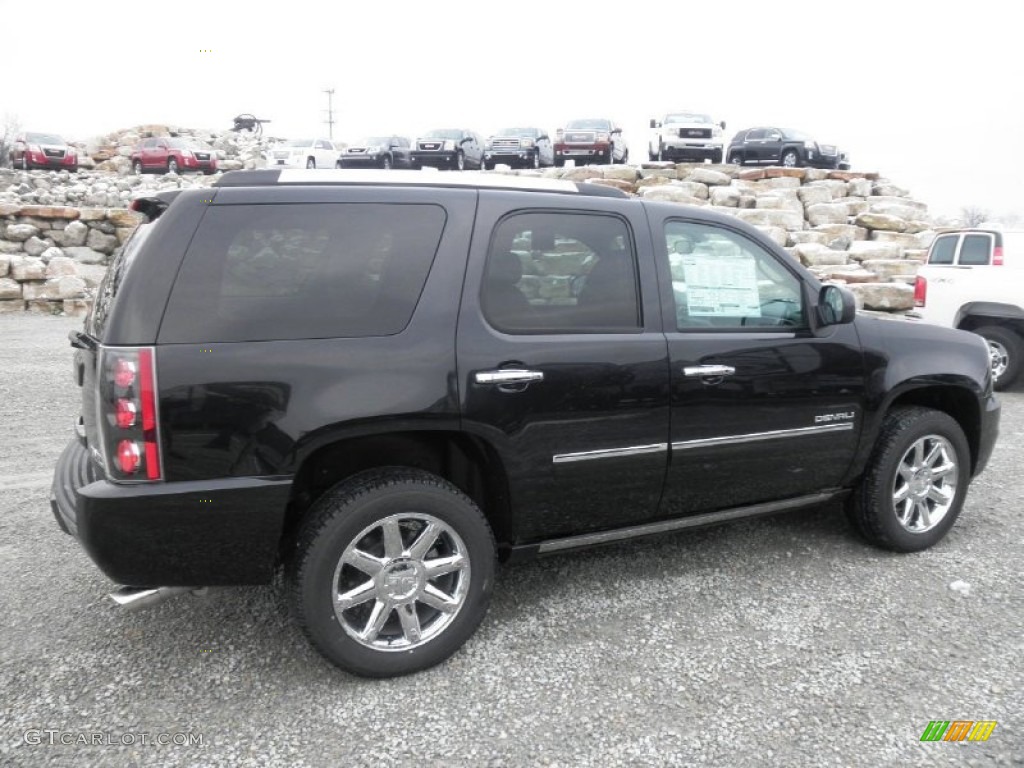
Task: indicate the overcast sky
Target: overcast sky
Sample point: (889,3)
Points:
(927,94)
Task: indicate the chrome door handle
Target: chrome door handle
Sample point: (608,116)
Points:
(508,376)
(706,371)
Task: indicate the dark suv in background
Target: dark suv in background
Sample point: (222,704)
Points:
(387,385)
(455,148)
(785,147)
(524,147)
(377,152)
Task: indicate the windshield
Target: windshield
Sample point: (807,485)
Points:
(688,117)
(374,141)
(590,124)
(44,138)
(443,133)
(298,143)
(528,132)
(798,135)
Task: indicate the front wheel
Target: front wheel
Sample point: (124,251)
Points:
(310,163)
(392,572)
(172,166)
(736,159)
(1005,349)
(137,167)
(460,162)
(716,157)
(790,158)
(915,483)
(385,163)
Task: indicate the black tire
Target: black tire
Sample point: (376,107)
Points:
(385,162)
(872,507)
(716,157)
(24,163)
(339,521)
(611,154)
(736,158)
(559,162)
(460,161)
(625,156)
(790,159)
(137,167)
(338,164)
(1005,350)
(535,163)
(172,165)
(310,162)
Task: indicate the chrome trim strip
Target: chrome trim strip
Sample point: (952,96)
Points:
(664,526)
(755,437)
(608,453)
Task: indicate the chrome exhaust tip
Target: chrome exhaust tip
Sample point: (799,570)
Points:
(137,598)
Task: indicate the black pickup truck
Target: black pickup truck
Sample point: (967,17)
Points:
(387,386)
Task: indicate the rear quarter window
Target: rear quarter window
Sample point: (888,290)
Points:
(976,250)
(270,272)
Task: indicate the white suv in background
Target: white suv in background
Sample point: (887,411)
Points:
(687,136)
(974,280)
(304,153)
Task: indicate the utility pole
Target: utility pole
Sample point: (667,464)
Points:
(330,113)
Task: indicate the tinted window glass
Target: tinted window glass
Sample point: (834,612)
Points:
(720,279)
(976,249)
(109,286)
(757,133)
(943,249)
(260,272)
(561,273)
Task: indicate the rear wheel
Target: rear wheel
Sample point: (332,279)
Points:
(386,163)
(137,167)
(736,158)
(716,157)
(914,487)
(460,162)
(1005,349)
(392,572)
(310,162)
(172,165)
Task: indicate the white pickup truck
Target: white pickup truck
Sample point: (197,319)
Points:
(974,280)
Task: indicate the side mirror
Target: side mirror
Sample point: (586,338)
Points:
(654,123)
(722,124)
(836,305)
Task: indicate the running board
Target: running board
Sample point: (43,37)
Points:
(664,526)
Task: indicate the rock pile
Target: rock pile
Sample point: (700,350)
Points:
(91,189)
(235,151)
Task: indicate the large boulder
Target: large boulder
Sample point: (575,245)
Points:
(900,238)
(847,231)
(872,249)
(814,195)
(61,266)
(709,177)
(692,188)
(620,172)
(836,187)
(85,255)
(772,218)
(887,269)
(20,232)
(670,193)
(816,255)
(827,213)
(860,187)
(881,221)
(24,267)
(73,234)
(9,288)
(725,196)
(884,296)
(34,246)
(777,234)
(889,189)
(100,242)
(808,236)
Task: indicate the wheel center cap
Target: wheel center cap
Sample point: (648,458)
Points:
(400,579)
(921,483)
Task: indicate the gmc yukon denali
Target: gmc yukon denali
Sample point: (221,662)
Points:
(388,382)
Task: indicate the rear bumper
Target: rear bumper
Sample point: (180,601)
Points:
(196,533)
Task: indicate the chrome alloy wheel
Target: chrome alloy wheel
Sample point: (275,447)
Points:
(999,358)
(925,483)
(401,582)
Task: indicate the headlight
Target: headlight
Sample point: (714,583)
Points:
(449,144)
(603,137)
(376,149)
(527,142)
(810,145)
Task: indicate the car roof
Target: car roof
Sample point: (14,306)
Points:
(468,179)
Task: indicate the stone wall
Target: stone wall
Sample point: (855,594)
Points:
(59,230)
(53,258)
(848,227)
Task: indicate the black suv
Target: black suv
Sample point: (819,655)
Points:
(525,147)
(785,147)
(387,385)
(376,152)
(454,148)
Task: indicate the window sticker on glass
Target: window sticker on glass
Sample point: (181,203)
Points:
(721,286)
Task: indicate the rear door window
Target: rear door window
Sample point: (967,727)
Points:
(943,249)
(976,250)
(266,272)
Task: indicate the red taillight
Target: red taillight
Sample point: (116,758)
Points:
(997,256)
(130,422)
(920,291)
(126,413)
(124,373)
(128,456)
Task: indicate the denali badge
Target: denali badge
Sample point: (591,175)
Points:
(827,417)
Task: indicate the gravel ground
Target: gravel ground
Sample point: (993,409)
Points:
(774,642)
